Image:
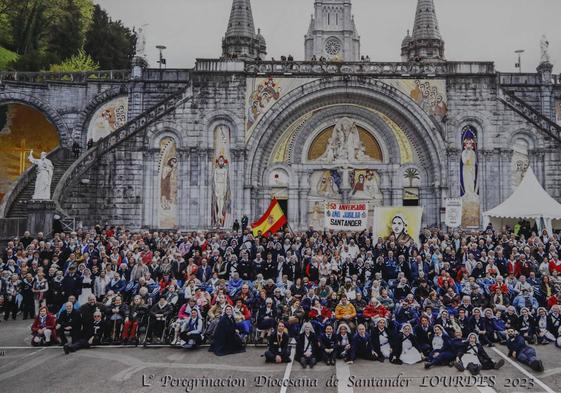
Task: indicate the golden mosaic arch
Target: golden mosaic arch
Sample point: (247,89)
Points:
(371,147)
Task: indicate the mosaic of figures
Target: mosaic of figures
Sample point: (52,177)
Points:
(168,183)
(108,118)
(221,212)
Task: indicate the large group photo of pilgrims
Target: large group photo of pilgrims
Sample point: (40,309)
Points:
(436,299)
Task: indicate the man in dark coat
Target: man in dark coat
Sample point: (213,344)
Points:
(278,350)
(361,346)
(71,284)
(328,346)
(519,350)
(423,332)
(69,323)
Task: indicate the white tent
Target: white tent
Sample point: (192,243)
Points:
(528,201)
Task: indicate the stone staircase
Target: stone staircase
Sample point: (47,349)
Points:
(61,163)
(543,123)
(106,144)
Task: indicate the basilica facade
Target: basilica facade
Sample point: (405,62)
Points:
(198,148)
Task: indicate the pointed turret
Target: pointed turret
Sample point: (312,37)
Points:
(240,40)
(426,44)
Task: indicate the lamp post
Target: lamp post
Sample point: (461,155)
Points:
(519,64)
(161,61)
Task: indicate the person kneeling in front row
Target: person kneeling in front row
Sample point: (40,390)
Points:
(328,346)
(43,329)
(307,350)
(278,350)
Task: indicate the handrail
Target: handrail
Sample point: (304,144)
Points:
(22,182)
(75,77)
(102,146)
(542,122)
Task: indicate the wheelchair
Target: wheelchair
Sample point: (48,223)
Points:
(151,336)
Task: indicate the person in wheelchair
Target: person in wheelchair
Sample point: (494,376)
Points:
(137,311)
(192,330)
(115,315)
(159,314)
(242,315)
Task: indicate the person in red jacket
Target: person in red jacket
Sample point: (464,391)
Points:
(43,330)
(375,310)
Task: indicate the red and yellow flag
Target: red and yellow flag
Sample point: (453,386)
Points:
(271,222)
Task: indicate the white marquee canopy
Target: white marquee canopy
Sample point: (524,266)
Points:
(528,201)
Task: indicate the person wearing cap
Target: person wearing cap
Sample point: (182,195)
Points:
(519,350)
(474,358)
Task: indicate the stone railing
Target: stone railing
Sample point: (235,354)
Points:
(71,77)
(517,79)
(542,122)
(102,146)
(22,182)
(369,68)
(219,65)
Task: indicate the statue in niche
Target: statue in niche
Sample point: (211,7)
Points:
(45,170)
(344,145)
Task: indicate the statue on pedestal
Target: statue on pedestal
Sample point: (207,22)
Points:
(544,49)
(45,171)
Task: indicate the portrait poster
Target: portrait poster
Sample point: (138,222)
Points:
(346,216)
(453,212)
(404,222)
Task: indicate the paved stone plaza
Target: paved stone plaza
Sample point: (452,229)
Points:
(117,369)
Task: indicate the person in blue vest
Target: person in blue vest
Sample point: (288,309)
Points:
(519,350)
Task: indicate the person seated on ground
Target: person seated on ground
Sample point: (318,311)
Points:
(242,315)
(519,350)
(543,335)
(554,323)
(423,333)
(91,334)
(307,350)
(361,346)
(192,330)
(69,324)
(345,312)
(137,311)
(159,314)
(474,358)
(344,341)
(442,352)
(406,347)
(43,330)
(293,314)
(383,341)
(115,316)
(526,325)
(278,350)
(266,317)
(227,340)
(328,346)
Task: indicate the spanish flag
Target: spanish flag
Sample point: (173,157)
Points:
(273,220)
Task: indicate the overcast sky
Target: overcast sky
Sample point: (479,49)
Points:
(482,30)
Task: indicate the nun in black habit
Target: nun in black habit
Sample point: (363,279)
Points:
(226,339)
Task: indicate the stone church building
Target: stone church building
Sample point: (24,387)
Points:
(198,148)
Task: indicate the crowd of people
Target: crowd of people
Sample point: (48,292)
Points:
(440,300)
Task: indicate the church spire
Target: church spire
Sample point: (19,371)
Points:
(425,44)
(240,40)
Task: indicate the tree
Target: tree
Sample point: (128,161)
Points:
(65,31)
(109,42)
(79,62)
(411,174)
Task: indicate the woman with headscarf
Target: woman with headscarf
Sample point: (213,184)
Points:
(474,358)
(343,342)
(406,347)
(307,350)
(383,342)
(192,330)
(226,339)
(442,352)
(526,326)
